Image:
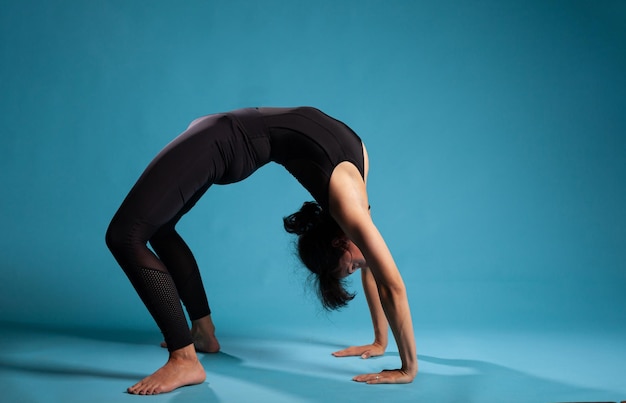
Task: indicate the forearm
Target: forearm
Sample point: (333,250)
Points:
(381,332)
(395,304)
(393,299)
(379,320)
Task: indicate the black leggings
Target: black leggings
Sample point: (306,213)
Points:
(208,152)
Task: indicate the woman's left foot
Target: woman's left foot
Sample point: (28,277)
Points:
(182,369)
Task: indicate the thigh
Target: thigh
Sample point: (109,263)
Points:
(178,176)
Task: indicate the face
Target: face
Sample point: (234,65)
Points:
(351,261)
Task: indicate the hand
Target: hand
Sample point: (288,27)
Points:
(367,351)
(386,376)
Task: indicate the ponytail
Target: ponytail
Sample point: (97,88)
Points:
(320,252)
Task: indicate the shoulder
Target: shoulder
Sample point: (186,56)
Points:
(347,196)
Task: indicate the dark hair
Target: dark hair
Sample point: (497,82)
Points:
(320,247)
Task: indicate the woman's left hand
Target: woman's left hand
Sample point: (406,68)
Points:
(386,376)
(367,351)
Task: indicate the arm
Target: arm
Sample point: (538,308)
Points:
(393,298)
(379,321)
(349,207)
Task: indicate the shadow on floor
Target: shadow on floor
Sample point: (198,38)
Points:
(288,370)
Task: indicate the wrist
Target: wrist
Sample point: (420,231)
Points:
(410,367)
(381,343)
(410,370)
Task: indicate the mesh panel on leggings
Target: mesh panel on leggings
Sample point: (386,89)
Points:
(162,300)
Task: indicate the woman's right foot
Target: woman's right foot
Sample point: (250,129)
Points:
(203,335)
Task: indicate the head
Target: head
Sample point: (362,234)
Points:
(326,252)
(351,260)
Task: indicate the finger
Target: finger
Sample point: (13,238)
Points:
(348,352)
(368,378)
(361,378)
(376,379)
(366,355)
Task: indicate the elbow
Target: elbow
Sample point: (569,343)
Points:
(389,293)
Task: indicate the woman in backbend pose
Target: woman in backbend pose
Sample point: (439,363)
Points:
(336,235)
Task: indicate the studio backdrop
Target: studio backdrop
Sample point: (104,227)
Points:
(496,133)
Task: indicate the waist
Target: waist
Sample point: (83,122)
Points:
(250,122)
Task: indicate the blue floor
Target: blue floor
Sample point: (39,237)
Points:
(39,365)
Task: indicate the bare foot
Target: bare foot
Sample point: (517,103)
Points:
(203,335)
(182,369)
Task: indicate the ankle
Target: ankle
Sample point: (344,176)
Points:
(204,324)
(187,353)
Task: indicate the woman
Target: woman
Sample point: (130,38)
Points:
(336,234)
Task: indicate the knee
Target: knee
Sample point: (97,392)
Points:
(116,237)
(163,236)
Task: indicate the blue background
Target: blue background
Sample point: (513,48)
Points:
(496,132)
